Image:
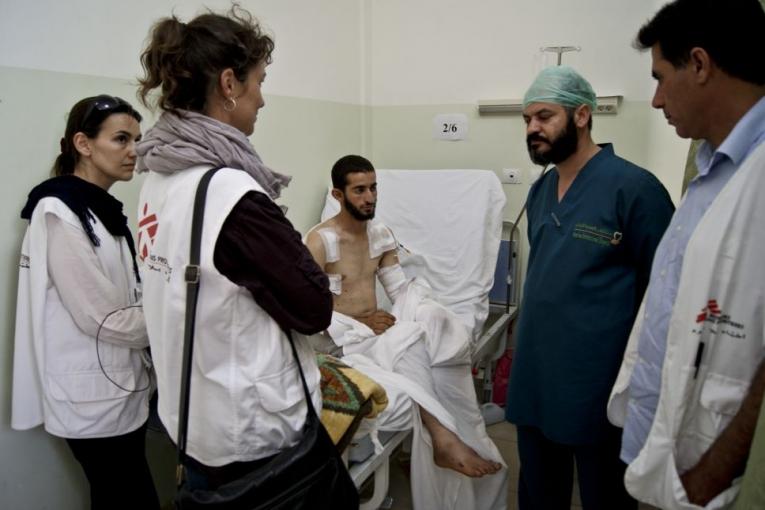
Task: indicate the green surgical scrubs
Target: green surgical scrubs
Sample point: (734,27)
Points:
(589,262)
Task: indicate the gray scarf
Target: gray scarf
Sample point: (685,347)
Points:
(180,141)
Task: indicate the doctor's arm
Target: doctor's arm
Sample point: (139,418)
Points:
(726,459)
(649,210)
(86,292)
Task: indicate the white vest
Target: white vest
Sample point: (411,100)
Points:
(720,302)
(247,401)
(57,379)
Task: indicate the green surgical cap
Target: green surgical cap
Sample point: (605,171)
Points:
(560,85)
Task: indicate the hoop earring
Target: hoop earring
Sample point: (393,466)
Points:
(229,104)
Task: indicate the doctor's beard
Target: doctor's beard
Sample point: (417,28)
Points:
(561,148)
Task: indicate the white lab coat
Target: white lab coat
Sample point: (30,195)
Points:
(57,379)
(720,302)
(247,401)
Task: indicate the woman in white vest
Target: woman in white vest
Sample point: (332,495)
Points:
(257,278)
(80,367)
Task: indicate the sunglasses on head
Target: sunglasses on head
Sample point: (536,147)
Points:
(104,103)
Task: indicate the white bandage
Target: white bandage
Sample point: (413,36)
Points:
(393,280)
(331,246)
(335,283)
(380,238)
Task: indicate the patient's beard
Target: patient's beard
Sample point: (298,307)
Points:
(356,213)
(561,148)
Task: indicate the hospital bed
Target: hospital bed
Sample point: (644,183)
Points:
(449,228)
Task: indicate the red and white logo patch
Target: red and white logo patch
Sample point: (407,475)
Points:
(711,310)
(147,231)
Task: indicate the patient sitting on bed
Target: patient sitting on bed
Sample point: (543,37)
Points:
(352,250)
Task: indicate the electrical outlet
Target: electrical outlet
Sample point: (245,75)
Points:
(511,176)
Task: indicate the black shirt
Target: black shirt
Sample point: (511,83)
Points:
(258,248)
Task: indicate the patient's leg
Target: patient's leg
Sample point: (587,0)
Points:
(449,451)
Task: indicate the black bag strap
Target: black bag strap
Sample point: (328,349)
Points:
(191,276)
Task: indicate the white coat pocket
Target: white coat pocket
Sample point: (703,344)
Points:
(719,400)
(282,408)
(721,396)
(85,402)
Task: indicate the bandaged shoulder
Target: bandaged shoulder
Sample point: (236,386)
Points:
(329,240)
(393,280)
(381,239)
(331,247)
(379,236)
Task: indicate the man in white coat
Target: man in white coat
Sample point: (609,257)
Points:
(692,380)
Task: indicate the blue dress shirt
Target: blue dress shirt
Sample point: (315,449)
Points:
(716,167)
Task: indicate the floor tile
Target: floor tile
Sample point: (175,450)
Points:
(502,430)
(512,500)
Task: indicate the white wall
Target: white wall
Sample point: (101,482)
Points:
(441,52)
(317,55)
(451,51)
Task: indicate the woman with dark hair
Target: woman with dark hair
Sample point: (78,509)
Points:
(257,278)
(79,362)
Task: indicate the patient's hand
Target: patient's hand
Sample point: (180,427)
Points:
(378,321)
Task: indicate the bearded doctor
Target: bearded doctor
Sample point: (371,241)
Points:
(594,221)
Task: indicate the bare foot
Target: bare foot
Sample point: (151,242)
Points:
(451,453)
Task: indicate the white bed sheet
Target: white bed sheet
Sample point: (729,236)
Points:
(450,222)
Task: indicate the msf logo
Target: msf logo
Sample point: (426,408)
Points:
(147,231)
(712,310)
(719,322)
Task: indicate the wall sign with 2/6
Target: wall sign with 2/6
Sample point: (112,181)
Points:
(450,126)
